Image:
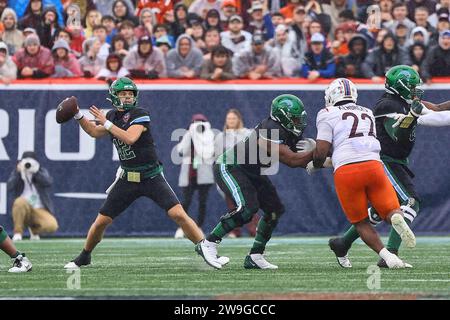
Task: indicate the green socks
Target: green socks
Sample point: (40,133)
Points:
(263,235)
(217,234)
(350,236)
(3,235)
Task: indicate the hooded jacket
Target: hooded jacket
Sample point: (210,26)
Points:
(105,6)
(210,13)
(352,58)
(69,63)
(30,19)
(197,149)
(379,61)
(90,66)
(21,6)
(414,60)
(13,38)
(141,30)
(47,32)
(436,63)
(423,31)
(8,69)
(209,67)
(107,74)
(246,61)
(177,26)
(290,58)
(175,61)
(128,15)
(42,61)
(41,180)
(149,67)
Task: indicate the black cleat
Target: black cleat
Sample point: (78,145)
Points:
(84,259)
(341,251)
(382,264)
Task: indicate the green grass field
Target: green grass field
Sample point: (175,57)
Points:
(168,268)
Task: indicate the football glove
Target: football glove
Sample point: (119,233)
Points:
(416,108)
(306,145)
(311,169)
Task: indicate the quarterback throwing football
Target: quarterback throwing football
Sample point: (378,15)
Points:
(141,172)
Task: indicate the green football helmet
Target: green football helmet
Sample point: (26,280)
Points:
(290,112)
(404,81)
(123,84)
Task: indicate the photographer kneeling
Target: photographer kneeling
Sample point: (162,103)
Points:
(32,206)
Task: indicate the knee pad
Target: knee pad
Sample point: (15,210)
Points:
(410,209)
(239,216)
(374,218)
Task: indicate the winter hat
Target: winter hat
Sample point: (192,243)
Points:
(61,43)
(32,39)
(29,154)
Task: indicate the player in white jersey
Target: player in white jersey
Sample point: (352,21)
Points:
(349,131)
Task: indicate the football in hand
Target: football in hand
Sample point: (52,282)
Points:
(66,109)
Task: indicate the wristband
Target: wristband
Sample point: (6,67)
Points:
(108,125)
(78,116)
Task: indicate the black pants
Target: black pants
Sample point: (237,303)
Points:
(249,192)
(125,193)
(188,192)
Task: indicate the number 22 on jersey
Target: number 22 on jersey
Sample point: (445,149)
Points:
(364,117)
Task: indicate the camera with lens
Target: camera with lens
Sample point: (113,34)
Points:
(27,165)
(200,128)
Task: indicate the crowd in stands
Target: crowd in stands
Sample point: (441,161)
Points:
(222,39)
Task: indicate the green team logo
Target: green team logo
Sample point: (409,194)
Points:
(124,150)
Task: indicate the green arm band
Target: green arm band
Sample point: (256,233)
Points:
(402,133)
(392,132)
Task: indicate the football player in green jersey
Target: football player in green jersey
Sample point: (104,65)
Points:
(240,174)
(140,173)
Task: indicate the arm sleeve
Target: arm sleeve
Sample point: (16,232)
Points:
(329,71)
(43,178)
(435,119)
(13,180)
(273,66)
(240,69)
(269,26)
(324,126)
(184,147)
(172,71)
(205,74)
(305,70)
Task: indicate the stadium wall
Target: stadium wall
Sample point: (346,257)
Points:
(83,168)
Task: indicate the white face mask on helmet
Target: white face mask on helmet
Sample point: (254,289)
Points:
(340,89)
